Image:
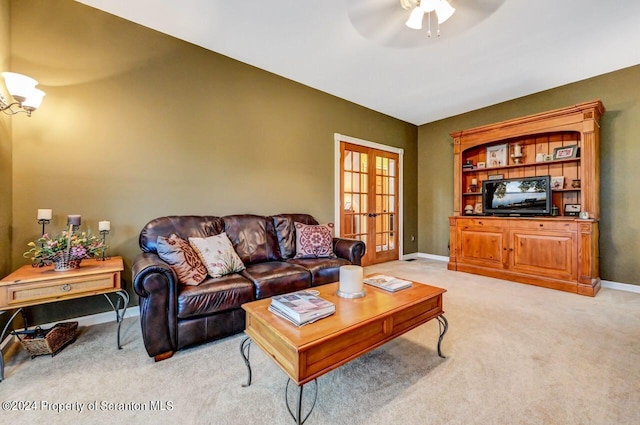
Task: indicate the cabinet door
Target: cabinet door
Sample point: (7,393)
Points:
(481,244)
(543,253)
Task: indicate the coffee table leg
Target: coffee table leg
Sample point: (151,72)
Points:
(4,331)
(245,345)
(298,416)
(443,326)
(122,296)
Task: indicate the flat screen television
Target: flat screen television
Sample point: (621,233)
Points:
(517,196)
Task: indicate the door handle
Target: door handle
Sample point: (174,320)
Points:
(372,215)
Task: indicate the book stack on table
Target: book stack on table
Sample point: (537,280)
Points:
(302,307)
(388,283)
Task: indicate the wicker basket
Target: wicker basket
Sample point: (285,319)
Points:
(48,341)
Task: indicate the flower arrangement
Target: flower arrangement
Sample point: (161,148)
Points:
(66,250)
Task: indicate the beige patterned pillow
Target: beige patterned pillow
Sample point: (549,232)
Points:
(182,258)
(314,241)
(217,254)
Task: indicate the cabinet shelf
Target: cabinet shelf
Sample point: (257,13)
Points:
(526,165)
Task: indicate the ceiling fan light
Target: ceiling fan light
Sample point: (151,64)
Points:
(444,11)
(428,5)
(415,19)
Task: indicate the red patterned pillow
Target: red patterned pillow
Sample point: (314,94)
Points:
(183,259)
(314,241)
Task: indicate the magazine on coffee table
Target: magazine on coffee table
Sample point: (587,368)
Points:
(301,307)
(388,283)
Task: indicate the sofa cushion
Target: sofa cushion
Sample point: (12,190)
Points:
(286,231)
(217,255)
(182,258)
(184,226)
(314,241)
(253,237)
(277,277)
(214,295)
(323,270)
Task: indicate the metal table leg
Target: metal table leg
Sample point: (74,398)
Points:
(2,335)
(443,326)
(298,416)
(245,346)
(123,296)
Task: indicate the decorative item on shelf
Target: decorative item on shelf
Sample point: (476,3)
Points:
(64,251)
(575,183)
(351,285)
(44,217)
(584,215)
(555,211)
(468,165)
(104,227)
(557,183)
(481,164)
(495,176)
(540,157)
(517,153)
(478,208)
(468,210)
(548,157)
(473,187)
(572,209)
(566,152)
(497,155)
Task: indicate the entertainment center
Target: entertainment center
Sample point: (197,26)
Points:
(526,199)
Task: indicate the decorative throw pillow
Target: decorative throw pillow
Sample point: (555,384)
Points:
(314,241)
(182,258)
(217,254)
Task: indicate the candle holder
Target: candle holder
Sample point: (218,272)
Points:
(104,234)
(43,222)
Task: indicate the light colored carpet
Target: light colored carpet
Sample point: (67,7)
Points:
(516,354)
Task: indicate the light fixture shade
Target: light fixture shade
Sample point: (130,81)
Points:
(33,99)
(444,11)
(415,19)
(18,85)
(428,5)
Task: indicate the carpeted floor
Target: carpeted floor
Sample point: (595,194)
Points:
(516,354)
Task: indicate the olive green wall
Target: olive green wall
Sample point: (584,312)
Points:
(619,160)
(5,148)
(137,125)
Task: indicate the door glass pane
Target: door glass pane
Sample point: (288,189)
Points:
(348,187)
(347,161)
(392,167)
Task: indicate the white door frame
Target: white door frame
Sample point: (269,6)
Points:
(337,137)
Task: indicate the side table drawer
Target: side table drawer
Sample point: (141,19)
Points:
(56,290)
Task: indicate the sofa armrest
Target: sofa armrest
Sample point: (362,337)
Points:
(156,284)
(349,249)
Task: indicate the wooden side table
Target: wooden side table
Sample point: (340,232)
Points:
(29,286)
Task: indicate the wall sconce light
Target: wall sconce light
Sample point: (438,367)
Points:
(26,97)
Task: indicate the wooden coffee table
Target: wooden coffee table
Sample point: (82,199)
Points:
(358,326)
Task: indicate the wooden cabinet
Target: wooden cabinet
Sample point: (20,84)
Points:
(556,252)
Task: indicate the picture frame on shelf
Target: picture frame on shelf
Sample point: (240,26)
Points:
(557,183)
(497,155)
(478,208)
(481,164)
(572,209)
(495,176)
(565,152)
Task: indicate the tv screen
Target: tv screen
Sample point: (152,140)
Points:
(517,196)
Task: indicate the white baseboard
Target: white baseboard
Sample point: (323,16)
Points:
(93,319)
(605,283)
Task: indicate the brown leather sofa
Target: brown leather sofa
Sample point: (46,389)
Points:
(174,316)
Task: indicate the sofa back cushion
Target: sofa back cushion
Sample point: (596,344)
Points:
(184,226)
(286,231)
(253,237)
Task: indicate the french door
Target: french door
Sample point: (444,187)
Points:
(369,200)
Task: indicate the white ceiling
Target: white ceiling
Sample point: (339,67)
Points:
(359,50)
